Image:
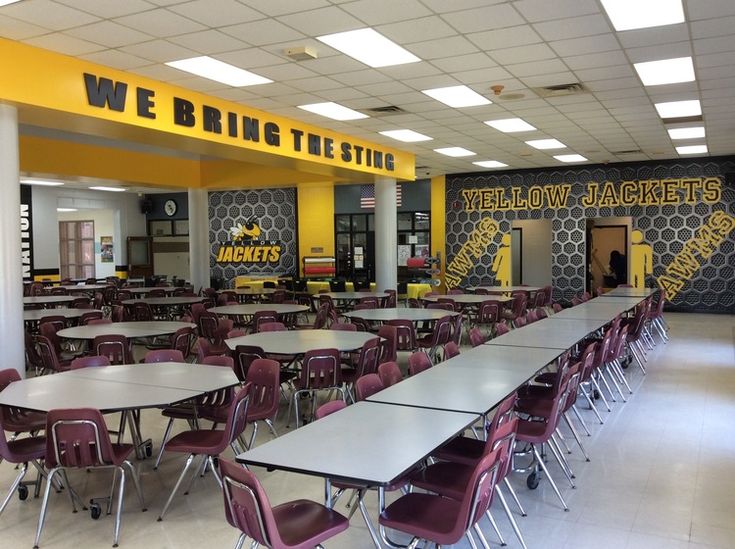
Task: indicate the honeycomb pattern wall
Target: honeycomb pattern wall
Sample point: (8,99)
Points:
(275,210)
(666,228)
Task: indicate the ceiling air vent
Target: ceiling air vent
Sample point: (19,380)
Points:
(390,109)
(631,151)
(560,90)
(682,120)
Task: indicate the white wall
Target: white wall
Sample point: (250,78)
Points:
(103,226)
(536,255)
(126,220)
(171,263)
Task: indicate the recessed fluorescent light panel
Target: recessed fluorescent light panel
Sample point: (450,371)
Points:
(692,149)
(546,144)
(66,209)
(108,189)
(510,125)
(407,136)
(369,47)
(208,67)
(333,111)
(679,109)
(454,152)
(686,133)
(42,182)
(666,71)
(570,158)
(634,14)
(6,2)
(490,164)
(457,96)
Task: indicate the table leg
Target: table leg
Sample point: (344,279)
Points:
(327,492)
(366,516)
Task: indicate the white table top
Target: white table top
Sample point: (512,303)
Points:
(467,299)
(47,299)
(599,308)
(165,301)
(550,333)
(631,292)
(128,329)
(144,290)
(84,287)
(402,313)
(475,381)
(34,315)
(172,375)
(297,342)
(506,288)
(352,295)
(366,443)
(248,309)
(250,291)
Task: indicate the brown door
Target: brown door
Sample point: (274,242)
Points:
(140,256)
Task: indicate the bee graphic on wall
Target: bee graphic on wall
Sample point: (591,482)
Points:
(245,231)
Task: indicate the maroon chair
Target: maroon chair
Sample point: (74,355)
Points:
(265,382)
(77,438)
(517,307)
(389,373)
(98,321)
(210,443)
(456,324)
(116,347)
(81,303)
(142,312)
(520,322)
(320,370)
(343,327)
(556,307)
(204,349)
(244,355)
(477,338)
(50,361)
(181,340)
(237,332)
(272,327)
(488,314)
(329,408)
(413,303)
(391,302)
(389,344)
(91,315)
(18,420)
(21,452)
(405,334)
(367,386)
(263,317)
(531,317)
(47,327)
(451,349)
(437,338)
(501,328)
(297,524)
(92,361)
(119,314)
(163,355)
(418,362)
(440,520)
(367,363)
(442,304)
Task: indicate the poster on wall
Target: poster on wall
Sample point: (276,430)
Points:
(26,232)
(106,249)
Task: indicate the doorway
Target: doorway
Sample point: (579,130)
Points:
(516,256)
(607,252)
(76,249)
(530,252)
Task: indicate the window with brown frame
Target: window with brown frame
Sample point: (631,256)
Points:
(76,249)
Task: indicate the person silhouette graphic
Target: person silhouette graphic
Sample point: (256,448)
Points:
(501,262)
(641,259)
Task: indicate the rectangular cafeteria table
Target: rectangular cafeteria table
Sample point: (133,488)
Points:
(367,444)
(554,332)
(598,309)
(630,292)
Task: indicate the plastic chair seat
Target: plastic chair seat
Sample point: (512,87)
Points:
(464,450)
(202,441)
(535,407)
(24,422)
(446,479)
(179,412)
(217,414)
(23,450)
(304,524)
(533,432)
(436,520)
(120,453)
(547,377)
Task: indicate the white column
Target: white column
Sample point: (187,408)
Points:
(11,271)
(386,235)
(198,238)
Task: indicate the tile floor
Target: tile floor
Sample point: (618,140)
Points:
(660,475)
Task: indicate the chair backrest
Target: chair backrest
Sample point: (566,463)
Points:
(321,369)
(451,349)
(236,417)
(264,378)
(244,356)
(77,437)
(47,353)
(208,323)
(478,495)
(343,327)
(518,304)
(181,341)
(48,326)
(322,317)
(587,360)
(389,373)
(279,296)
(442,331)
(329,408)
(557,307)
(477,338)
(368,385)
(520,321)
(541,313)
(237,332)
(456,336)
(219,360)
(118,313)
(405,334)
(488,312)
(531,316)
(455,291)
(272,327)
(263,317)
(367,361)
(602,349)
(163,355)
(391,301)
(586,296)
(445,305)
(91,315)
(389,343)
(539,300)
(326,300)
(576,301)
(89,362)
(418,362)
(501,328)
(413,303)
(114,346)
(33,360)
(81,303)
(197,309)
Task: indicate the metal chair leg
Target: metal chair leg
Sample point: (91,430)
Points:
(495,527)
(575,434)
(483,541)
(253,435)
(561,460)
(512,519)
(189,461)
(118,515)
(14,486)
(240,541)
(136,483)
(164,440)
(515,496)
(599,392)
(551,480)
(593,407)
(581,420)
(44,506)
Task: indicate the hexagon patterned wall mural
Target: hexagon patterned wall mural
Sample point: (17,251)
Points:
(275,212)
(667,228)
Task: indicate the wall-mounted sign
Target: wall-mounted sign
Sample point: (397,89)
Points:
(106,249)
(472,250)
(651,192)
(26,232)
(247,246)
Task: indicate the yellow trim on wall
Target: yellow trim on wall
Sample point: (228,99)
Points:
(46,278)
(316,219)
(438,225)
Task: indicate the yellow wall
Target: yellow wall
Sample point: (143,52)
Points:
(316,219)
(438,225)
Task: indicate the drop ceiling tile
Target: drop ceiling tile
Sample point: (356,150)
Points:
(234,94)
(159,50)
(470,61)
(617,94)
(712,27)
(714,45)
(377,12)
(322,21)
(417,30)
(543,10)
(287,72)
(359,78)
(664,51)
(490,76)
(314,83)
(603,73)
(341,94)
(717,83)
(714,71)
(250,58)
(534,68)
(523,54)
(208,42)
(716,60)
(573,27)
(160,23)
(297,98)
(214,13)
(108,8)
(199,84)
(613,84)
(588,44)
(435,49)
(63,43)
(384,88)
(710,9)
(159,71)
(262,32)
(110,34)
(555,79)
(15,29)
(50,15)
(596,60)
(428,82)
(484,18)
(410,70)
(266,104)
(282,7)
(505,38)
(337,64)
(116,59)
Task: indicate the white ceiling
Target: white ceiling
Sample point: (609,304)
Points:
(518,44)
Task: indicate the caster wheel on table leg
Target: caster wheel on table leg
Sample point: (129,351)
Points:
(95,511)
(22,492)
(532,481)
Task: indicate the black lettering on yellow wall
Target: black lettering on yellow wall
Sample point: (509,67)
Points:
(105,92)
(145,103)
(184,113)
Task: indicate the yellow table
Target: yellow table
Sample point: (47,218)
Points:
(255,283)
(314,286)
(418,291)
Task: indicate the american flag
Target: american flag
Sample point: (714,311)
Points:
(367,196)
